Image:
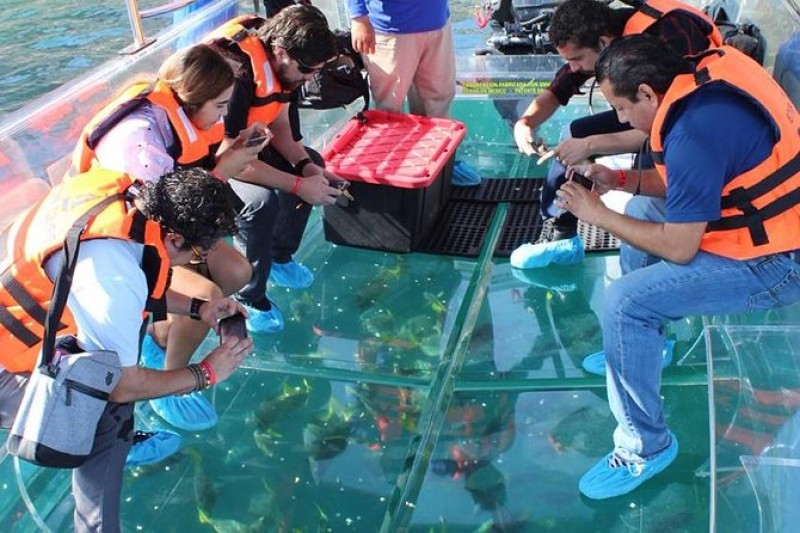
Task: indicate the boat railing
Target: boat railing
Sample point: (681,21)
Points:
(135,16)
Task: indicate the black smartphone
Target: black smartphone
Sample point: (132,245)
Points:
(232,326)
(255,138)
(582,180)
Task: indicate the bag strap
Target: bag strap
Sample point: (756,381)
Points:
(58,301)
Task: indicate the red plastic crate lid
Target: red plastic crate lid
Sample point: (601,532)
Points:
(400,150)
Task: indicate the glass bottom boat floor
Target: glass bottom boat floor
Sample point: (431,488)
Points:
(414,392)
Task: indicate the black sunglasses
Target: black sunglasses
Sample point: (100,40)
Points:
(305,68)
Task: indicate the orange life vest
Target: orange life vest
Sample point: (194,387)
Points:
(192,147)
(761,207)
(25,288)
(652,10)
(239,37)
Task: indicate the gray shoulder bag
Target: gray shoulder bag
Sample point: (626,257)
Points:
(69,388)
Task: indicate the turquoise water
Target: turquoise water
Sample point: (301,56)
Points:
(45,43)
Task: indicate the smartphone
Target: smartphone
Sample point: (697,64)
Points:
(255,138)
(232,326)
(580,179)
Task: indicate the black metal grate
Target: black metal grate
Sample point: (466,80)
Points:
(518,190)
(460,229)
(523,224)
(596,239)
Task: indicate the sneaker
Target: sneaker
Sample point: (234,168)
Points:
(464,175)
(150,447)
(596,363)
(190,412)
(563,252)
(291,275)
(259,321)
(153,355)
(615,476)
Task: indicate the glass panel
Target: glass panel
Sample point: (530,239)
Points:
(511,460)
(756,406)
(430,393)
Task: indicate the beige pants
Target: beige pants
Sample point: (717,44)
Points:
(418,65)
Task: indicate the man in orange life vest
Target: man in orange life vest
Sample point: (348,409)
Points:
(276,56)
(728,242)
(580,30)
(121,275)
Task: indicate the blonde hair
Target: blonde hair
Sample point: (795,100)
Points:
(196,74)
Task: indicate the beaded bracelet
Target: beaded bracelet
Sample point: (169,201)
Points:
(201,380)
(211,376)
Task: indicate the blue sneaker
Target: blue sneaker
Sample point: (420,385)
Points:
(562,252)
(596,363)
(190,412)
(615,475)
(153,355)
(291,275)
(150,447)
(464,175)
(259,321)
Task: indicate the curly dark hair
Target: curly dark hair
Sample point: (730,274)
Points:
(583,22)
(192,203)
(631,61)
(303,32)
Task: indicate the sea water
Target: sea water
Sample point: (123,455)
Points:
(44,44)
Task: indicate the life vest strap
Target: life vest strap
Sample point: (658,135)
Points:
(649,10)
(764,186)
(18,329)
(283,98)
(24,298)
(754,220)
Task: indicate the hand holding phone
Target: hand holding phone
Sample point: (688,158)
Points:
(255,138)
(582,180)
(233,326)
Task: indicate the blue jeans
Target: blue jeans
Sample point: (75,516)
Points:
(641,208)
(637,305)
(601,123)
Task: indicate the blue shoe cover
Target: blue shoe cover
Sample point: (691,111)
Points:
(291,275)
(190,412)
(259,321)
(465,176)
(615,476)
(596,363)
(153,355)
(150,447)
(545,279)
(562,252)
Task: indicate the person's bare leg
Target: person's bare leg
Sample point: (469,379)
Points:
(180,334)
